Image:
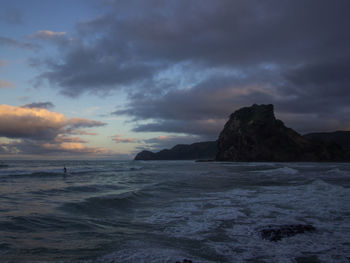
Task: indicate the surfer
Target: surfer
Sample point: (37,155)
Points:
(64,170)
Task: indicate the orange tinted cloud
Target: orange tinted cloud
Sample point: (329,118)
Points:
(118,138)
(6,84)
(82,132)
(44,131)
(18,122)
(3,62)
(74,147)
(48,34)
(64,138)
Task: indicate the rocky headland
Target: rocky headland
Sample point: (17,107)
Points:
(253,134)
(195,151)
(340,137)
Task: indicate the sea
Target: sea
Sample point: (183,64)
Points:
(172,211)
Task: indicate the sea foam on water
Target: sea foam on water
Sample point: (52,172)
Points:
(168,211)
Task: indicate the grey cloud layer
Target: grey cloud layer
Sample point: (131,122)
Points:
(6,41)
(43,105)
(294,54)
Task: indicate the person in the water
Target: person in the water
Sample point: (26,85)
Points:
(65,170)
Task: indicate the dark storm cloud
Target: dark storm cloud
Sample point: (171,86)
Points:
(290,53)
(126,45)
(200,110)
(209,99)
(328,78)
(94,69)
(43,105)
(320,87)
(204,109)
(231,32)
(334,72)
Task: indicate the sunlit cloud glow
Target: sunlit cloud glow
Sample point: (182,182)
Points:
(3,62)
(6,84)
(38,130)
(48,34)
(18,122)
(118,139)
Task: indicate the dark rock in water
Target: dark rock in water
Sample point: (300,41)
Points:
(276,233)
(254,134)
(195,151)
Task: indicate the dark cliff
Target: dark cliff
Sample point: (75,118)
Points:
(254,134)
(340,137)
(195,151)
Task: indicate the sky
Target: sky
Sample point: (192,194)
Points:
(106,79)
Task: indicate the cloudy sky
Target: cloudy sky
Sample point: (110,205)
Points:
(105,78)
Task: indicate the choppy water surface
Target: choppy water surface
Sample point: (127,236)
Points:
(165,211)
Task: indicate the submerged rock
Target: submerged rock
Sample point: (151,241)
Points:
(276,233)
(254,134)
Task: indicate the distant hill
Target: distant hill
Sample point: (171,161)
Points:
(194,151)
(340,137)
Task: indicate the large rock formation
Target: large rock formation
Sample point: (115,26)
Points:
(340,137)
(195,151)
(254,134)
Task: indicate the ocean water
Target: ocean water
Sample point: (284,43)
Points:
(167,211)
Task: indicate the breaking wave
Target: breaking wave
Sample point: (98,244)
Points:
(170,211)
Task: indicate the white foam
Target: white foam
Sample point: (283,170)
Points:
(141,252)
(240,213)
(226,224)
(337,171)
(282,170)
